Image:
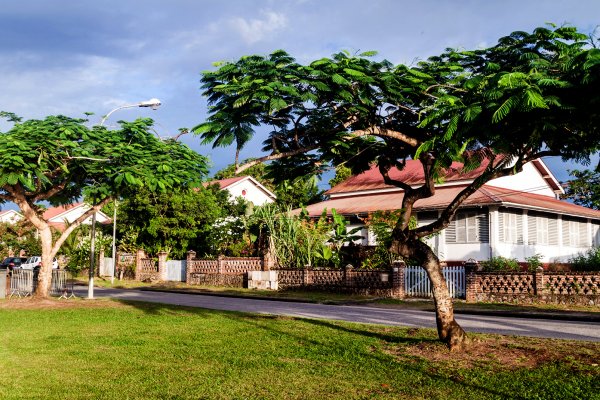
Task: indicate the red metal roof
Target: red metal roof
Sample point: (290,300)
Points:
(487,195)
(55,211)
(223,183)
(411,174)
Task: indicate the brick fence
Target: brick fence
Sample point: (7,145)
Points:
(224,271)
(538,287)
(233,272)
(518,287)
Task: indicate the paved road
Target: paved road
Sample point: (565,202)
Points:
(365,314)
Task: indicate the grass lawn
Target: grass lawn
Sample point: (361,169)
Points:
(104,349)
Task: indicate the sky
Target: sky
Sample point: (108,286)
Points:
(71,57)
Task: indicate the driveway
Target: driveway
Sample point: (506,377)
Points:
(545,328)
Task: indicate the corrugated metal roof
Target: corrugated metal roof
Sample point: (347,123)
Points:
(411,174)
(487,195)
(223,183)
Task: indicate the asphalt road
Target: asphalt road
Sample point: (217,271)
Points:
(545,328)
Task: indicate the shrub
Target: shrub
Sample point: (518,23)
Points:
(588,261)
(534,262)
(500,264)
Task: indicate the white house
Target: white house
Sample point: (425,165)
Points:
(246,187)
(516,216)
(58,217)
(10,216)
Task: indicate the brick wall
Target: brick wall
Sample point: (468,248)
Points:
(366,282)
(538,287)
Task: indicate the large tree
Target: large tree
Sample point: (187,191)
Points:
(59,160)
(531,95)
(584,188)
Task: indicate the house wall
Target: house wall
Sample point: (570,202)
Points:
(248,191)
(76,212)
(10,217)
(557,249)
(529,180)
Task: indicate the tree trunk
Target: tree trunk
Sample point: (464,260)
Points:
(449,331)
(45,274)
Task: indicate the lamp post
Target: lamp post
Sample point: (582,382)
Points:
(153,103)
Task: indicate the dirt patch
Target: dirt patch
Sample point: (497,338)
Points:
(30,303)
(502,353)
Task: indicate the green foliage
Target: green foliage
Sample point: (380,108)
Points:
(298,192)
(299,241)
(174,222)
(341,174)
(79,257)
(500,264)
(584,189)
(588,261)
(382,224)
(534,262)
(18,236)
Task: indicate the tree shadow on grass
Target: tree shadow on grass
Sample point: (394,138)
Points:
(415,364)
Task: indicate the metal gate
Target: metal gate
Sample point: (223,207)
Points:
(176,270)
(417,283)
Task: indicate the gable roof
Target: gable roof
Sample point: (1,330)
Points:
(7,212)
(57,215)
(412,174)
(225,183)
(230,182)
(485,196)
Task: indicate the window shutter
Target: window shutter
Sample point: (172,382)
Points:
(501,227)
(583,234)
(553,231)
(483,227)
(451,231)
(532,237)
(519,218)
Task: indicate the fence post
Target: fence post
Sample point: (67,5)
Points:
(220,265)
(398,273)
(348,277)
(162,266)
(268,262)
(471,281)
(306,277)
(100,262)
(138,263)
(190,255)
(538,287)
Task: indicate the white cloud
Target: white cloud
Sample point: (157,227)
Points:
(255,30)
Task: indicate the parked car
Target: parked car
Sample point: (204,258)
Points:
(35,262)
(12,262)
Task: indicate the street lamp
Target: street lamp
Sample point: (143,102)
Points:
(153,103)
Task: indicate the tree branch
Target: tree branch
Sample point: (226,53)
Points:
(276,156)
(382,132)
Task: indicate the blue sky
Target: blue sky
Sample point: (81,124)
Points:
(69,57)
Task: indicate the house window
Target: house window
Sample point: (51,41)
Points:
(575,233)
(542,229)
(511,227)
(468,227)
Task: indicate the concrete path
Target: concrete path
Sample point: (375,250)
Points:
(546,328)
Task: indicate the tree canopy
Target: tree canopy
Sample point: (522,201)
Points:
(531,95)
(60,160)
(584,188)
